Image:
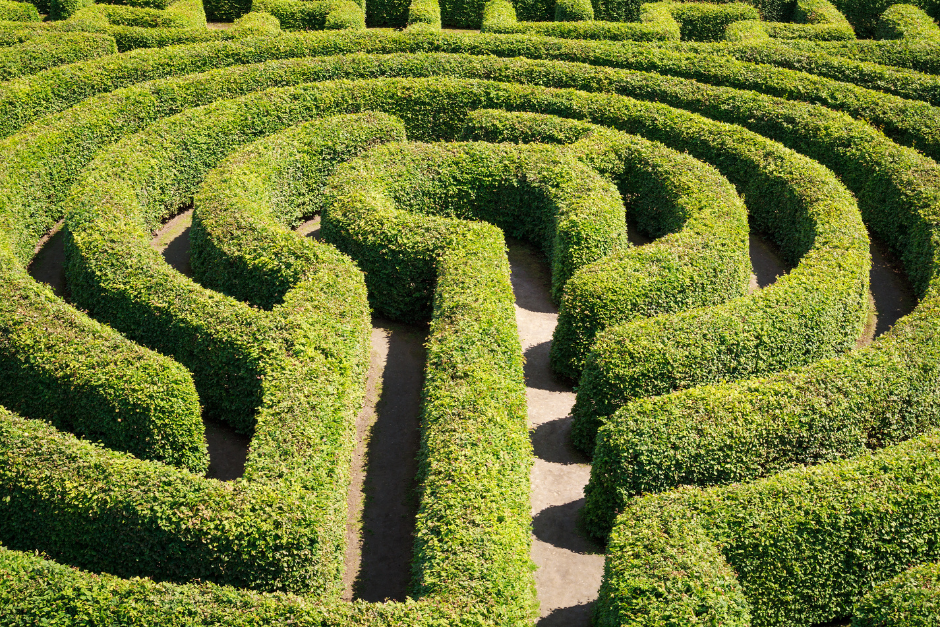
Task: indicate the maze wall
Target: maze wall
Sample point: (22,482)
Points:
(755,459)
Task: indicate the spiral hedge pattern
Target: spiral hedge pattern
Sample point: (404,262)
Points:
(751,465)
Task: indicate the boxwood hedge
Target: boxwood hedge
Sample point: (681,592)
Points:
(906,21)
(18,11)
(802,546)
(40,51)
(314,15)
(531,192)
(912,599)
(239,242)
(696,216)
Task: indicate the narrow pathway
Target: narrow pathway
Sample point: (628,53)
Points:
(382,498)
(569,566)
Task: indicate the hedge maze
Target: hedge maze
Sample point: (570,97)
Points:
(757,458)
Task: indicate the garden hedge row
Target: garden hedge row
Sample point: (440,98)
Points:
(314,14)
(699,258)
(18,11)
(911,123)
(531,192)
(302,366)
(799,548)
(42,51)
(573,10)
(912,599)
(239,237)
(905,21)
(656,23)
(864,14)
(817,20)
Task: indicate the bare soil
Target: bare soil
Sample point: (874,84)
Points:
(569,565)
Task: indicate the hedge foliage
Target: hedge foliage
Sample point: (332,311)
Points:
(656,23)
(905,21)
(314,14)
(912,599)
(18,11)
(239,237)
(802,546)
(815,20)
(700,255)
(424,14)
(302,366)
(41,51)
(531,192)
(704,21)
(864,14)
(573,11)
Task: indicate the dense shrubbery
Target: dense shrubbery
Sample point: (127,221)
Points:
(800,547)
(912,599)
(905,21)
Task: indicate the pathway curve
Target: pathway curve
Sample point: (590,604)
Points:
(569,566)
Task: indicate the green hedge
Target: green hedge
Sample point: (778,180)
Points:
(864,14)
(425,13)
(47,50)
(905,21)
(257,24)
(573,10)
(703,21)
(700,255)
(302,366)
(239,243)
(912,599)
(226,10)
(802,546)
(18,11)
(656,23)
(531,192)
(313,14)
(817,20)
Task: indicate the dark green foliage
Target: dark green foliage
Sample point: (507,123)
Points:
(814,20)
(573,10)
(426,13)
(18,11)
(747,30)
(227,10)
(46,50)
(804,544)
(656,24)
(912,599)
(864,14)
(905,21)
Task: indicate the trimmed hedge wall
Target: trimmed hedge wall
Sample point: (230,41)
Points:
(699,258)
(314,14)
(240,245)
(656,24)
(42,51)
(912,599)
(816,20)
(531,192)
(864,14)
(424,14)
(905,21)
(702,21)
(18,11)
(802,546)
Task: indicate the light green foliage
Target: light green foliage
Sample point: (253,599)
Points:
(912,599)
(802,546)
(905,21)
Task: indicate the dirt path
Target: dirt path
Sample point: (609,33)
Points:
(382,499)
(569,566)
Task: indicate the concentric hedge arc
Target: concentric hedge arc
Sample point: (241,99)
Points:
(869,399)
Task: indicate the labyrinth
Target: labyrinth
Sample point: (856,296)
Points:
(470,312)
